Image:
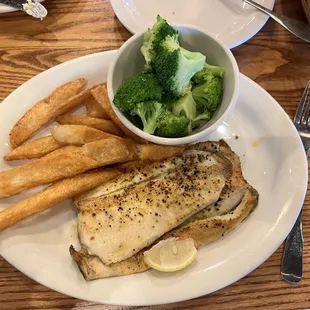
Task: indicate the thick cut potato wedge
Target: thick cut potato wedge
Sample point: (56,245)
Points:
(60,101)
(77,134)
(97,123)
(72,160)
(110,151)
(34,149)
(156,152)
(94,109)
(54,194)
(62,163)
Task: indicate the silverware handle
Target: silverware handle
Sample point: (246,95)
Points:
(272,14)
(258,6)
(291,267)
(299,29)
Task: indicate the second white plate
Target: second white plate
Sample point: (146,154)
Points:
(232,21)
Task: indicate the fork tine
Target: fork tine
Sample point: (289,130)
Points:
(305,116)
(308,120)
(302,103)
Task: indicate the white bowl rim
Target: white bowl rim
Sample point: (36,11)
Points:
(183,140)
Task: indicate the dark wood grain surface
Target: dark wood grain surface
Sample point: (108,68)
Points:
(275,59)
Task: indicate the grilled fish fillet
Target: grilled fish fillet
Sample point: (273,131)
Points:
(116,226)
(237,200)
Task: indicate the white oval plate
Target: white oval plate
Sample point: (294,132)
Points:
(231,21)
(273,160)
(6,9)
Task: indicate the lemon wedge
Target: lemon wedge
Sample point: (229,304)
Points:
(171,254)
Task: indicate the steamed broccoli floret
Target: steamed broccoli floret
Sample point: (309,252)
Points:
(149,112)
(207,72)
(185,106)
(175,66)
(142,88)
(171,126)
(153,37)
(209,95)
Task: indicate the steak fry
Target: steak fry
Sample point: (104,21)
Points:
(62,163)
(97,123)
(69,161)
(94,109)
(54,194)
(77,134)
(62,99)
(34,149)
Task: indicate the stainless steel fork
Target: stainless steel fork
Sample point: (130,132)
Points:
(292,260)
(298,28)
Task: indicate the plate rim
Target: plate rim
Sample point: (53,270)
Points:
(253,266)
(114,4)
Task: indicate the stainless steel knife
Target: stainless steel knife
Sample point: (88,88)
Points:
(31,7)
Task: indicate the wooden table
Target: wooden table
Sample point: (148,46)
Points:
(274,58)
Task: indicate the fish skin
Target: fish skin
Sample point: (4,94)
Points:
(142,213)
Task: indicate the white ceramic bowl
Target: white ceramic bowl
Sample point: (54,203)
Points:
(130,62)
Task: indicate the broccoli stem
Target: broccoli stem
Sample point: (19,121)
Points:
(215,70)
